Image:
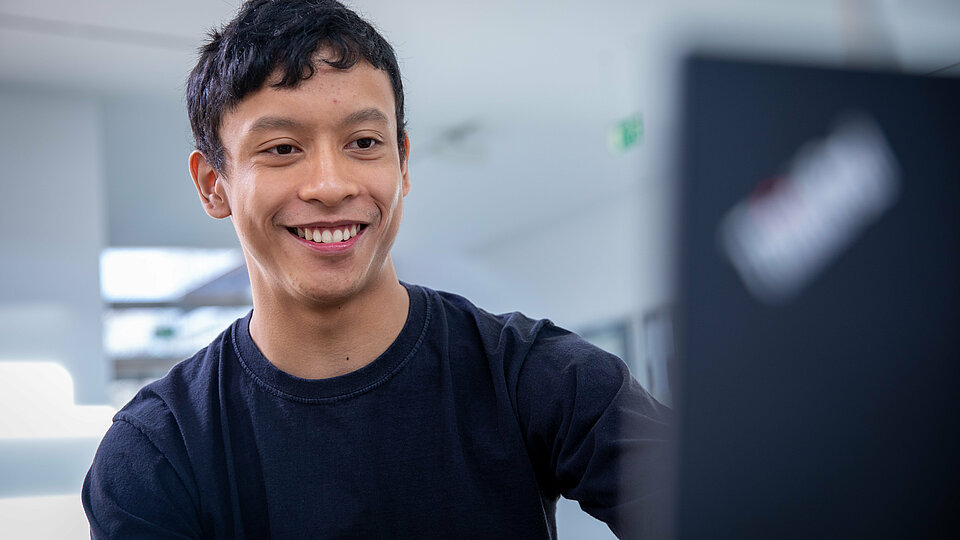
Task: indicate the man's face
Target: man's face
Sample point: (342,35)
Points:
(314,184)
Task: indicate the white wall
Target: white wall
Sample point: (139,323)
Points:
(52,223)
(151,200)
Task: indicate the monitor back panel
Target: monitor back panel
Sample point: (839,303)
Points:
(819,302)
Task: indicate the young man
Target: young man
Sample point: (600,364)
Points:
(347,404)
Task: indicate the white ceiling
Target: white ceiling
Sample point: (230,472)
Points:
(498,57)
(459,57)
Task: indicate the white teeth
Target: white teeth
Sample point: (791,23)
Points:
(327,236)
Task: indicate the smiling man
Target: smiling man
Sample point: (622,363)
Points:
(313,180)
(348,404)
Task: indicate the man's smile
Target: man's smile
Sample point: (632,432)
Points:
(329,236)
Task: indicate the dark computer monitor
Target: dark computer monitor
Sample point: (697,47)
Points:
(818,314)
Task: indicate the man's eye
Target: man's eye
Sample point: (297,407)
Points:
(365,142)
(283,149)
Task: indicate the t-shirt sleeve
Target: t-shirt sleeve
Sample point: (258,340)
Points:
(133,491)
(595,435)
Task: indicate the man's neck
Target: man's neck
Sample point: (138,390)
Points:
(319,342)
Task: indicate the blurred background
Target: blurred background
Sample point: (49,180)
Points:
(542,153)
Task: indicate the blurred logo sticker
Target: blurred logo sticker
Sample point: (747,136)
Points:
(793,226)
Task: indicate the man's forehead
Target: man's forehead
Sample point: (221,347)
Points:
(360,93)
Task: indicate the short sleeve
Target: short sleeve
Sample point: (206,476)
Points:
(595,435)
(133,491)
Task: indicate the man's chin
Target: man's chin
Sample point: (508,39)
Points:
(328,296)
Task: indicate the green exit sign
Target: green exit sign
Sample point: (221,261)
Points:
(625,134)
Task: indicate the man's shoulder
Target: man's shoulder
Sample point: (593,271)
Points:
(456,309)
(517,336)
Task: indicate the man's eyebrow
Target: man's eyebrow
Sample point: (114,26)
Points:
(267,123)
(370,114)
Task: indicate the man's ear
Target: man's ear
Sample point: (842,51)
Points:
(207,180)
(404,169)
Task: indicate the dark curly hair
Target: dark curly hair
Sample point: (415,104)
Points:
(279,35)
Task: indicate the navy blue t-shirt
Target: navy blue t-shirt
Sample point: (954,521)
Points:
(470,425)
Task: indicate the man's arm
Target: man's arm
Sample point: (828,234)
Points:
(595,435)
(133,491)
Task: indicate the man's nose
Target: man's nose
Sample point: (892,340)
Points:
(329,181)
